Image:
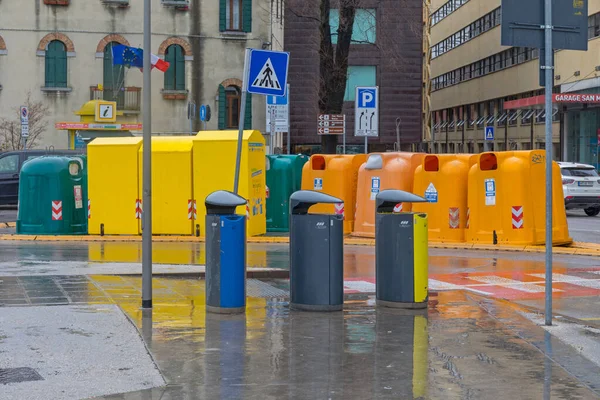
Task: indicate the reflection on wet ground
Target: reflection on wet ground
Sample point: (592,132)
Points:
(456,351)
(463,347)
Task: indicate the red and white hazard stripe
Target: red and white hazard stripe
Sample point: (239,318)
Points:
(468,218)
(517,217)
(267,192)
(454,217)
(57,210)
(192,209)
(339,209)
(398,208)
(138,209)
(89,209)
(247,209)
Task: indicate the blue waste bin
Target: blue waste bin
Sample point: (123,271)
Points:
(225,253)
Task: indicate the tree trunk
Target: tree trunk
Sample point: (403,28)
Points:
(333,64)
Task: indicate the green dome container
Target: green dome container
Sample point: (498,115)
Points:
(284,177)
(52,197)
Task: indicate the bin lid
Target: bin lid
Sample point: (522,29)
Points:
(223,202)
(386,200)
(302,200)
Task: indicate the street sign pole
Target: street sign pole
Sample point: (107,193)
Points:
(549,70)
(366,144)
(238,157)
(147,157)
(289,135)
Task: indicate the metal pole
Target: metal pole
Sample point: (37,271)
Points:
(398,122)
(366,144)
(242,114)
(147,156)
(549,68)
(289,144)
(344,137)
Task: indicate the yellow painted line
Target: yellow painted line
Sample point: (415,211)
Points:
(578,249)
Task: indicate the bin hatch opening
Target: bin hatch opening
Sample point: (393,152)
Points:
(488,162)
(375,161)
(318,163)
(431,163)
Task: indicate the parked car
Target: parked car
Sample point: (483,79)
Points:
(10,166)
(581,186)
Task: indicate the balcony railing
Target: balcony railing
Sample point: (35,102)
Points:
(129,99)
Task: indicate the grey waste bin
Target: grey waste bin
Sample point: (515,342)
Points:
(225,253)
(316,254)
(401,252)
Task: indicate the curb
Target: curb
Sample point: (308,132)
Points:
(577,248)
(8,224)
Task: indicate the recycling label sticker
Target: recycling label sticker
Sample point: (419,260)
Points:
(375,186)
(431,194)
(318,184)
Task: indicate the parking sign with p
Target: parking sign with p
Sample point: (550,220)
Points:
(366,112)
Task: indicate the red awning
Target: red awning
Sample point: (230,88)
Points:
(537,102)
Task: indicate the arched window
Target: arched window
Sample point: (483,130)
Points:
(56,64)
(229,108)
(113,78)
(175,75)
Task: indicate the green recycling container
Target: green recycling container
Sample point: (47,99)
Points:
(284,177)
(51,197)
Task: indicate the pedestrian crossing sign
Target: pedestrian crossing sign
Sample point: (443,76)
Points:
(267,72)
(489,133)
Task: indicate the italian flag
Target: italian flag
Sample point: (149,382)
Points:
(159,63)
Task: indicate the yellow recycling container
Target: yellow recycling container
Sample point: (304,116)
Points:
(173,210)
(214,155)
(335,175)
(507,200)
(442,179)
(382,171)
(114,199)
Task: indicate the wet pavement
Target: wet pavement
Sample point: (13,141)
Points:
(469,344)
(462,347)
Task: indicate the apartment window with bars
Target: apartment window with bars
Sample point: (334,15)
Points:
(476,28)
(448,8)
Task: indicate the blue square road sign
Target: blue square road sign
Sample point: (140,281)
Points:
(267,72)
(489,133)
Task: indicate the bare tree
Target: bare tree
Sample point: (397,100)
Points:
(333,59)
(10,128)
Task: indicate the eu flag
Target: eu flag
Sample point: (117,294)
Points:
(129,56)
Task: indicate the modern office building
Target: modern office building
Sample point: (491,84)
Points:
(477,83)
(60,52)
(386,51)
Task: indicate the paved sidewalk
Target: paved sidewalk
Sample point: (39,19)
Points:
(463,347)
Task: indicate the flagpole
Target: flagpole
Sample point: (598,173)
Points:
(147,158)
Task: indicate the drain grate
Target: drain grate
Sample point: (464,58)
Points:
(18,375)
(256,288)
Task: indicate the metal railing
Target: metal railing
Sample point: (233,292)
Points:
(127,98)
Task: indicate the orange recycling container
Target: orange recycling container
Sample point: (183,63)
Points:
(443,180)
(382,171)
(507,200)
(335,175)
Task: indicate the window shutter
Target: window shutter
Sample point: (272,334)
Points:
(222,107)
(50,69)
(248,115)
(61,68)
(179,69)
(170,73)
(222,15)
(247,15)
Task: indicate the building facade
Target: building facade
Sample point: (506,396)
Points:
(386,51)
(477,83)
(60,51)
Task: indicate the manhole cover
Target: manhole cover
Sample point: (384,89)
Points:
(17,375)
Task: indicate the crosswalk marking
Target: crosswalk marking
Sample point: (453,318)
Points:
(511,284)
(573,280)
(360,286)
